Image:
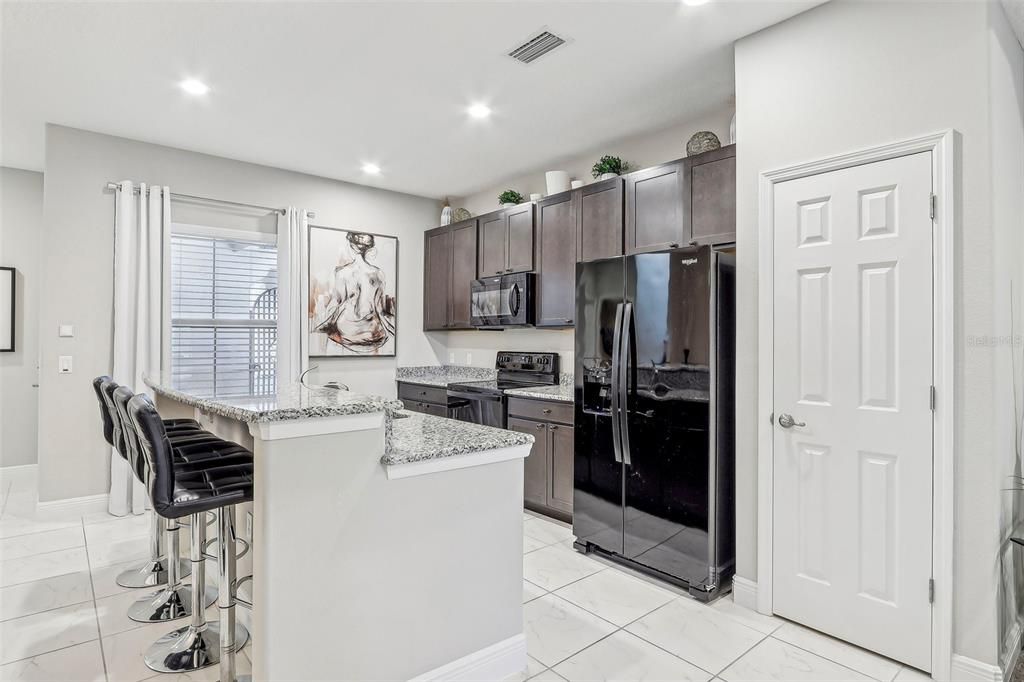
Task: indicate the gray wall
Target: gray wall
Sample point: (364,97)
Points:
(812,87)
(78,282)
(21,219)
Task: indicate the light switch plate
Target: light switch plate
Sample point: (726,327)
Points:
(469,358)
(451,357)
(66,330)
(64,364)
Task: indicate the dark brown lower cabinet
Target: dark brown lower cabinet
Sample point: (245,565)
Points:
(548,471)
(535,467)
(431,400)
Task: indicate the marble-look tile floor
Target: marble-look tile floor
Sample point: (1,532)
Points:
(62,616)
(588,619)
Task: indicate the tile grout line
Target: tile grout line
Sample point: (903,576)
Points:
(95,607)
(830,660)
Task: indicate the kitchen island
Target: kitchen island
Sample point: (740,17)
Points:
(386,544)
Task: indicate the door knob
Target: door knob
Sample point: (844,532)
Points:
(786,421)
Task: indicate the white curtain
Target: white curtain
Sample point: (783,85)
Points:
(292,288)
(140,224)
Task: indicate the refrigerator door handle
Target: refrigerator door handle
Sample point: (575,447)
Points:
(624,349)
(616,345)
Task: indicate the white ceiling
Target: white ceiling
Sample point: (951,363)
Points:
(323,87)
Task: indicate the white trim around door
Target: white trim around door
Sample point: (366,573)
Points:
(944,147)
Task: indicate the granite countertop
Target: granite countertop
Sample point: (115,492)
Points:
(415,437)
(560,393)
(290,402)
(442,375)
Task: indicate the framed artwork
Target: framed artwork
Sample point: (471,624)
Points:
(353,293)
(7,309)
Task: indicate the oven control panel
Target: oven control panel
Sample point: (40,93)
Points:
(543,363)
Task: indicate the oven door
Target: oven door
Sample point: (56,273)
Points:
(487,409)
(485,299)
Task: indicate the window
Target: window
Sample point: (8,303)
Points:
(223,314)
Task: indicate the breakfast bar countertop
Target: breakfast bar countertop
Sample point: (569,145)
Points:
(294,401)
(416,437)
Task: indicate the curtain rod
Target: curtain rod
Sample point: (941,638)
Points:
(135,190)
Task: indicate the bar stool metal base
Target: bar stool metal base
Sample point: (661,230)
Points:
(168,604)
(153,573)
(188,649)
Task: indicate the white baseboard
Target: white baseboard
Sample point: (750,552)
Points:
(72,506)
(496,662)
(1011,650)
(964,669)
(744,592)
(11,472)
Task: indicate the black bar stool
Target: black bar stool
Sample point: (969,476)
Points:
(154,571)
(191,480)
(176,599)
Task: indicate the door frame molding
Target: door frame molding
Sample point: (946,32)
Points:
(945,148)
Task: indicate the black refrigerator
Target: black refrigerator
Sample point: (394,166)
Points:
(654,475)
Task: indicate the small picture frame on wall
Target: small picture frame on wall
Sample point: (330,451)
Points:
(7,295)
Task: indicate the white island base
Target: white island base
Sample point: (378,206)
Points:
(371,571)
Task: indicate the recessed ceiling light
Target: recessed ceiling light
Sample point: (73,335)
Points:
(371,169)
(479,110)
(194,87)
(695,3)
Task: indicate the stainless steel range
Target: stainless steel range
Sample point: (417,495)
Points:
(483,402)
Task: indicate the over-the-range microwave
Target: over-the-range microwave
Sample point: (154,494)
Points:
(505,301)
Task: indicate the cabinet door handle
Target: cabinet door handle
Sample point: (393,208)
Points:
(674,245)
(546,410)
(539,426)
(553,427)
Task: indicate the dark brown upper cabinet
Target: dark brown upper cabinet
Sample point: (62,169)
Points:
(493,240)
(556,259)
(655,208)
(506,241)
(599,220)
(437,277)
(449,266)
(712,205)
(463,273)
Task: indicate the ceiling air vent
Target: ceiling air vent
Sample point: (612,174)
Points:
(536,47)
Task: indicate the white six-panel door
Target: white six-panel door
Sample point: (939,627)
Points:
(852,489)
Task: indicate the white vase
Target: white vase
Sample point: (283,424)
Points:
(576,184)
(557,181)
(536,196)
(607,176)
(509,204)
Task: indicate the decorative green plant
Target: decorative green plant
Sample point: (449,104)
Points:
(510,196)
(609,164)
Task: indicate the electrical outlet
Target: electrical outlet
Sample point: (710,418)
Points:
(66,330)
(248,526)
(64,364)
(469,358)
(451,357)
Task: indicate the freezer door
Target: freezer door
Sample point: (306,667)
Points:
(667,391)
(597,470)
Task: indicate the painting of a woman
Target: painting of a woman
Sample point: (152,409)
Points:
(352,302)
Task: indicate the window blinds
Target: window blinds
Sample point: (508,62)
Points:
(223,315)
